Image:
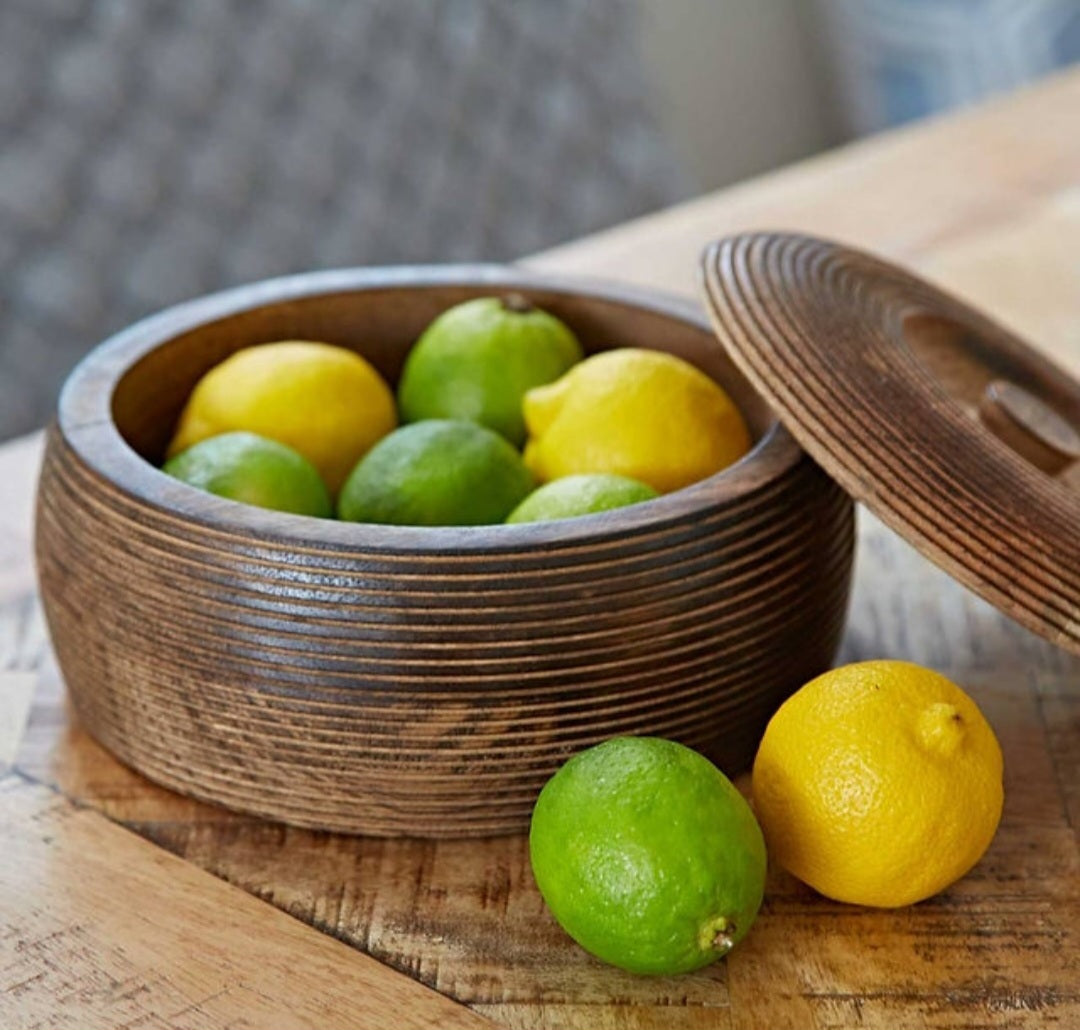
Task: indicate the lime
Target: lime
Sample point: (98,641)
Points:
(249,468)
(325,401)
(580,495)
(647,855)
(476,361)
(633,412)
(439,472)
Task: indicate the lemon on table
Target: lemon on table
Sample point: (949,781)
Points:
(252,469)
(878,783)
(580,495)
(638,413)
(647,855)
(439,472)
(476,361)
(326,402)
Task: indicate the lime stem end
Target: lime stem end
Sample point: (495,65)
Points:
(517,303)
(717,935)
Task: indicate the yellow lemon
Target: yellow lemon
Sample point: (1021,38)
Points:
(326,402)
(639,413)
(878,783)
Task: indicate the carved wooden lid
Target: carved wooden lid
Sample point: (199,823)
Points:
(950,429)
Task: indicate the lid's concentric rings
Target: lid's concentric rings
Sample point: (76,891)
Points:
(819,329)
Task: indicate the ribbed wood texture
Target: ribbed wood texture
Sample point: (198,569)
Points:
(388,681)
(897,389)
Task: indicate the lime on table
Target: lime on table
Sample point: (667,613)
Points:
(633,412)
(580,495)
(477,360)
(324,401)
(439,472)
(647,855)
(878,783)
(251,469)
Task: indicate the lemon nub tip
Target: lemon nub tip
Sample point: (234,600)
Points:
(941,728)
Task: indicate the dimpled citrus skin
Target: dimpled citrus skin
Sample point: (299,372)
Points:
(878,783)
(439,472)
(326,402)
(572,496)
(647,855)
(476,360)
(638,413)
(253,470)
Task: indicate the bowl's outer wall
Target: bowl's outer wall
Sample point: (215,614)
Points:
(359,688)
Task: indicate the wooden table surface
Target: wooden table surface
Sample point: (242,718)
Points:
(124,905)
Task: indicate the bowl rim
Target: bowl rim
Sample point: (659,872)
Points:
(85,422)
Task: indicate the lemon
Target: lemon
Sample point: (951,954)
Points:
(878,783)
(439,472)
(326,402)
(647,855)
(638,413)
(476,361)
(580,495)
(249,468)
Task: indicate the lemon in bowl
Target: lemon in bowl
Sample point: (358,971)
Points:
(632,412)
(324,401)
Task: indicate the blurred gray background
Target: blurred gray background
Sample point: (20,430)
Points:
(153,150)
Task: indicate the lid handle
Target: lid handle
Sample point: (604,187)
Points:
(1030,427)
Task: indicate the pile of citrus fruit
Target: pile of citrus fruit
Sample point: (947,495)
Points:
(498,417)
(878,783)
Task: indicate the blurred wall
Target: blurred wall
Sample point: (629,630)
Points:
(744,86)
(896,61)
(740,86)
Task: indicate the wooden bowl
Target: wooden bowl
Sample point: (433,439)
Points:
(397,680)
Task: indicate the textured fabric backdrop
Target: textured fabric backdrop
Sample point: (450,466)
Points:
(152,150)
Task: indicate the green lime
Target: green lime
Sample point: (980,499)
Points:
(252,469)
(439,472)
(571,496)
(647,855)
(477,360)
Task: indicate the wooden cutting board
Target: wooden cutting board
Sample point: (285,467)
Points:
(990,204)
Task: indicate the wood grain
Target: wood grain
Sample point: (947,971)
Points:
(1000,948)
(99,928)
(884,380)
(17,495)
(464,918)
(391,680)
(908,194)
(986,204)
(17,690)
